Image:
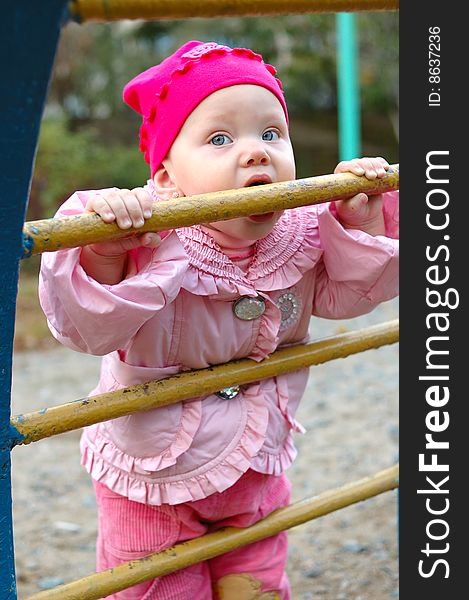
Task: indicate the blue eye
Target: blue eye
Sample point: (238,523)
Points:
(220,139)
(270,135)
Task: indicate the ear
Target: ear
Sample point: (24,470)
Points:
(165,183)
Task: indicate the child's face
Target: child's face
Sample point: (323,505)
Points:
(235,137)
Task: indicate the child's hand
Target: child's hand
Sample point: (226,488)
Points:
(128,208)
(106,261)
(363,212)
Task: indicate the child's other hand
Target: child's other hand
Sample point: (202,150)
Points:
(361,211)
(370,167)
(128,208)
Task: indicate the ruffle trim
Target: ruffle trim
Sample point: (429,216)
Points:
(275,464)
(280,259)
(291,248)
(267,338)
(203,284)
(288,273)
(205,254)
(190,422)
(283,403)
(217,476)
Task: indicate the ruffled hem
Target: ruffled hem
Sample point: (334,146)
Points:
(190,421)
(275,464)
(216,476)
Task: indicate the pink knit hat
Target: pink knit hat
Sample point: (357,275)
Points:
(166,94)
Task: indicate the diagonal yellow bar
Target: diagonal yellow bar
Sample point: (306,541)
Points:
(110,10)
(188,553)
(54,234)
(192,384)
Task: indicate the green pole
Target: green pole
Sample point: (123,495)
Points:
(347,88)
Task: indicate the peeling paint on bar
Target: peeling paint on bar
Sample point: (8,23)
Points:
(16,437)
(100,585)
(191,384)
(111,10)
(28,245)
(79,230)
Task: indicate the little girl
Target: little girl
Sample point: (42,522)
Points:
(214,118)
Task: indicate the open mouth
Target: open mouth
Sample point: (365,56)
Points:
(256,181)
(261,218)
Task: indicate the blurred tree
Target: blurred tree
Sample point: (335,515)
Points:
(93,64)
(96,60)
(67,161)
(89,136)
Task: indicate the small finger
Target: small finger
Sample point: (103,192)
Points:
(348,166)
(130,242)
(145,200)
(381,166)
(116,202)
(375,167)
(356,168)
(100,206)
(356,202)
(369,168)
(133,207)
(150,239)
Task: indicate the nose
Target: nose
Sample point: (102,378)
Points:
(253,154)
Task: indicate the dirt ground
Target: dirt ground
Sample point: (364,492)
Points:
(350,411)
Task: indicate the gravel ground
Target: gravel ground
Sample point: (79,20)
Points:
(350,410)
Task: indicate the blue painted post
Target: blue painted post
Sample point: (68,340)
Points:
(348,96)
(29,31)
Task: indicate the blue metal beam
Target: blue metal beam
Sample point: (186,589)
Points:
(29,31)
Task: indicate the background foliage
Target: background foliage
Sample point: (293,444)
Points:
(89,137)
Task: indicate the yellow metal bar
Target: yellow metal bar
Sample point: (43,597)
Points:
(110,10)
(192,384)
(54,234)
(208,546)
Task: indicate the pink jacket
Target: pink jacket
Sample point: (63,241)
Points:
(174,312)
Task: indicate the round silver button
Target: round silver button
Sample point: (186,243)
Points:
(228,393)
(289,306)
(247,308)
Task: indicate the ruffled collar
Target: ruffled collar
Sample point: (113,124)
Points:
(279,260)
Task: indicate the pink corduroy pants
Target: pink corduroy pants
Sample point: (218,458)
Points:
(130,530)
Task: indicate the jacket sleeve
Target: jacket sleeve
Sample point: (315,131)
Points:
(96,318)
(358,271)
